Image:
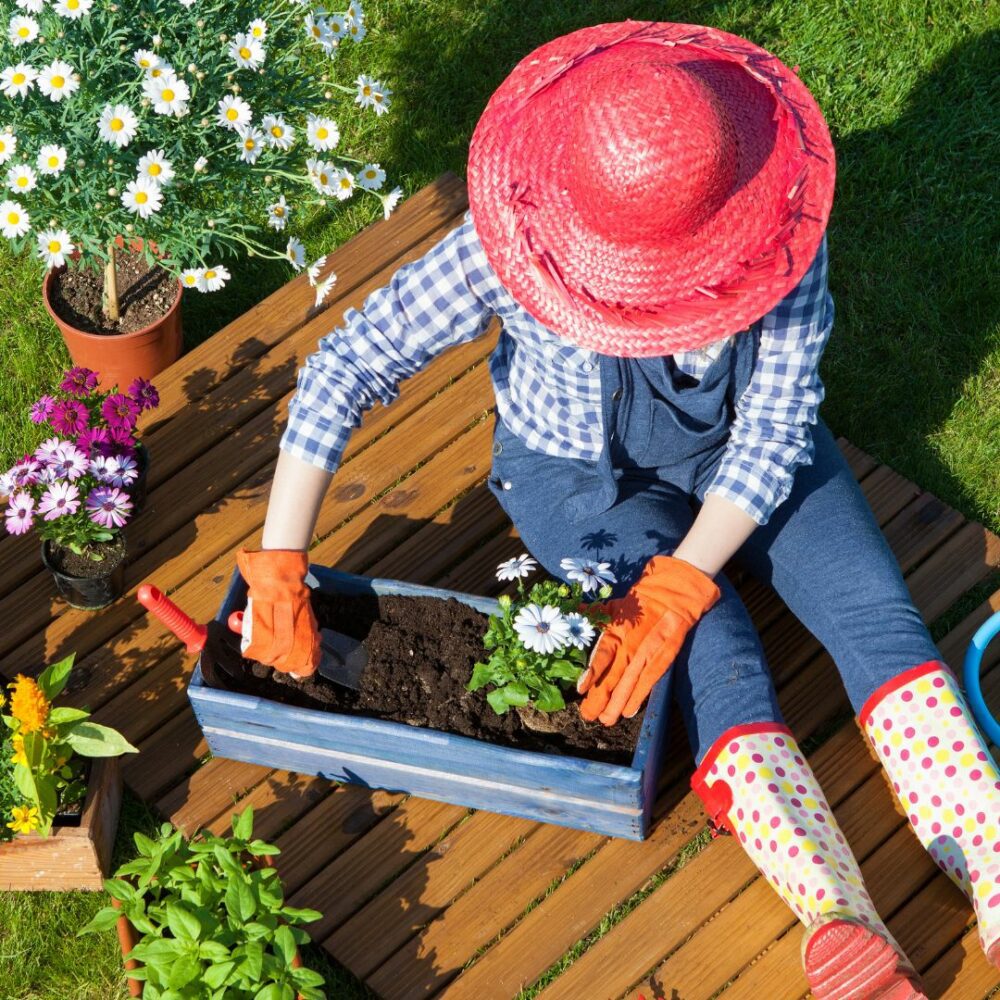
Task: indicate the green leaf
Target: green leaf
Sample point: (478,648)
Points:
(119,889)
(239,901)
(564,670)
(102,920)
(243,824)
(549,699)
(53,678)
(183,971)
(214,951)
(516,693)
(92,740)
(271,992)
(482,674)
(145,846)
(227,862)
(300,916)
(60,716)
(304,977)
(284,943)
(183,924)
(261,849)
(498,701)
(216,975)
(253,961)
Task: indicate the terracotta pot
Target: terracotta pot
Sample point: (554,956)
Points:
(120,358)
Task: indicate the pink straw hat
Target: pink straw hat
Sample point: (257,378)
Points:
(643,188)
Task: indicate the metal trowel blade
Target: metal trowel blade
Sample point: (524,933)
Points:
(344,659)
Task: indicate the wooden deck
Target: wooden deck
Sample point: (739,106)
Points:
(423,899)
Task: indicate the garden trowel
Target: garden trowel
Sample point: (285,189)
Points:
(343,660)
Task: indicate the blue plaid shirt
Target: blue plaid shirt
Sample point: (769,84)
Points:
(548,392)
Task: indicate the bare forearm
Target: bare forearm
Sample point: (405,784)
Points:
(718,531)
(297,491)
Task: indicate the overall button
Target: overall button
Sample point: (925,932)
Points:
(497,447)
(616,395)
(507,484)
(587,366)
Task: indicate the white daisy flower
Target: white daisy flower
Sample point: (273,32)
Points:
(194,277)
(517,569)
(591,575)
(252,142)
(200,164)
(57,80)
(371,177)
(246,51)
(322,133)
(162,68)
(21,178)
(146,59)
(31,6)
(258,29)
(541,628)
(581,630)
(277,131)
(16,81)
(73,9)
(356,29)
(22,30)
(277,214)
(53,246)
(390,201)
(156,167)
(343,184)
(14,220)
(233,111)
(366,89)
(317,28)
(142,196)
(337,23)
(51,159)
(314,268)
(296,253)
(380,99)
(8,145)
(187,3)
(215,277)
(354,11)
(323,288)
(169,94)
(322,174)
(117,125)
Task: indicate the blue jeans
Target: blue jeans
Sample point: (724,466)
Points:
(822,551)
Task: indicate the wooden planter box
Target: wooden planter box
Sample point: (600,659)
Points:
(554,788)
(71,857)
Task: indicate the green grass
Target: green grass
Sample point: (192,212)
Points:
(913,368)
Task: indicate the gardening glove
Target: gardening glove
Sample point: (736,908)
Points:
(279,627)
(648,627)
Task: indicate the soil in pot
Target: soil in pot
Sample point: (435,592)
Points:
(145,294)
(421,651)
(68,562)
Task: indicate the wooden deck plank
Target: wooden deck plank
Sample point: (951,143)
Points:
(173,751)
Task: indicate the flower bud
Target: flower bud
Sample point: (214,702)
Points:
(97,205)
(204,122)
(129,227)
(192,68)
(200,22)
(328,94)
(504,600)
(235,88)
(211,223)
(112,192)
(81,162)
(111,161)
(157,40)
(564,591)
(223,37)
(200,75)
(605,592)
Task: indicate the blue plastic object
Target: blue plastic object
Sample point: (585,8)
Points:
(973,662)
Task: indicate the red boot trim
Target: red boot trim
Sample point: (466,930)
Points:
(718,797)
(895,683)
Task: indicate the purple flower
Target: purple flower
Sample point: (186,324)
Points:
(59,499)
(101,467)
(49,448)
(91,438)
(41,410)
(122,470)
(69,417)
(120,439)
(19,513)
(108,506)
(144,393)
(68,463)
(25,472)
(120,410)
(78,381)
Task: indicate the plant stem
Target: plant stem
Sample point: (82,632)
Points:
(111,285)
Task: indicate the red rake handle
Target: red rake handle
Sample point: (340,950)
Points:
(183,626)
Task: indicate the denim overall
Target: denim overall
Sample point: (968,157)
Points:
(664,435)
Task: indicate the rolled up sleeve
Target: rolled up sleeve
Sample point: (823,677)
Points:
(441,300)
(771,434)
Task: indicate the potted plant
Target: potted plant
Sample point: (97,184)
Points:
(435,717)
(60,788)
(144,143)
(205,919)
(83,484)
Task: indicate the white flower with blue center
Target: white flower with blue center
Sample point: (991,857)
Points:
(516,569)
(541,628)
(581,631)
(589,574)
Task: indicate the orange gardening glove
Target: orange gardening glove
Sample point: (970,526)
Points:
(279,627)
(648,627)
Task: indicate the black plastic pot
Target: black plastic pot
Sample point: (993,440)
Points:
(138,491)
(88,593)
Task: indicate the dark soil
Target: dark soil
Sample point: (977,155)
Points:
(68,562)
(421,651)
(145,295)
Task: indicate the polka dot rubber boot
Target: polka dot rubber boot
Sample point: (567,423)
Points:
(944,777)
(757,785)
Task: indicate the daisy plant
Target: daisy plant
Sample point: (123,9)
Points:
(540,640)
(47,746)
(76,488)
(197,125)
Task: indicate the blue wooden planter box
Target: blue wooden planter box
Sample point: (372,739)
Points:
(554,788)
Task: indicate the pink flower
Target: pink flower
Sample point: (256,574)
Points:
(108,506)
(120,410)
(69,417)
(68,463)
(91,438)
(78,381)
(59,499)
(41,410)
(25,472)
(120,439)
(19,514)
(144,393)
(49,448)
